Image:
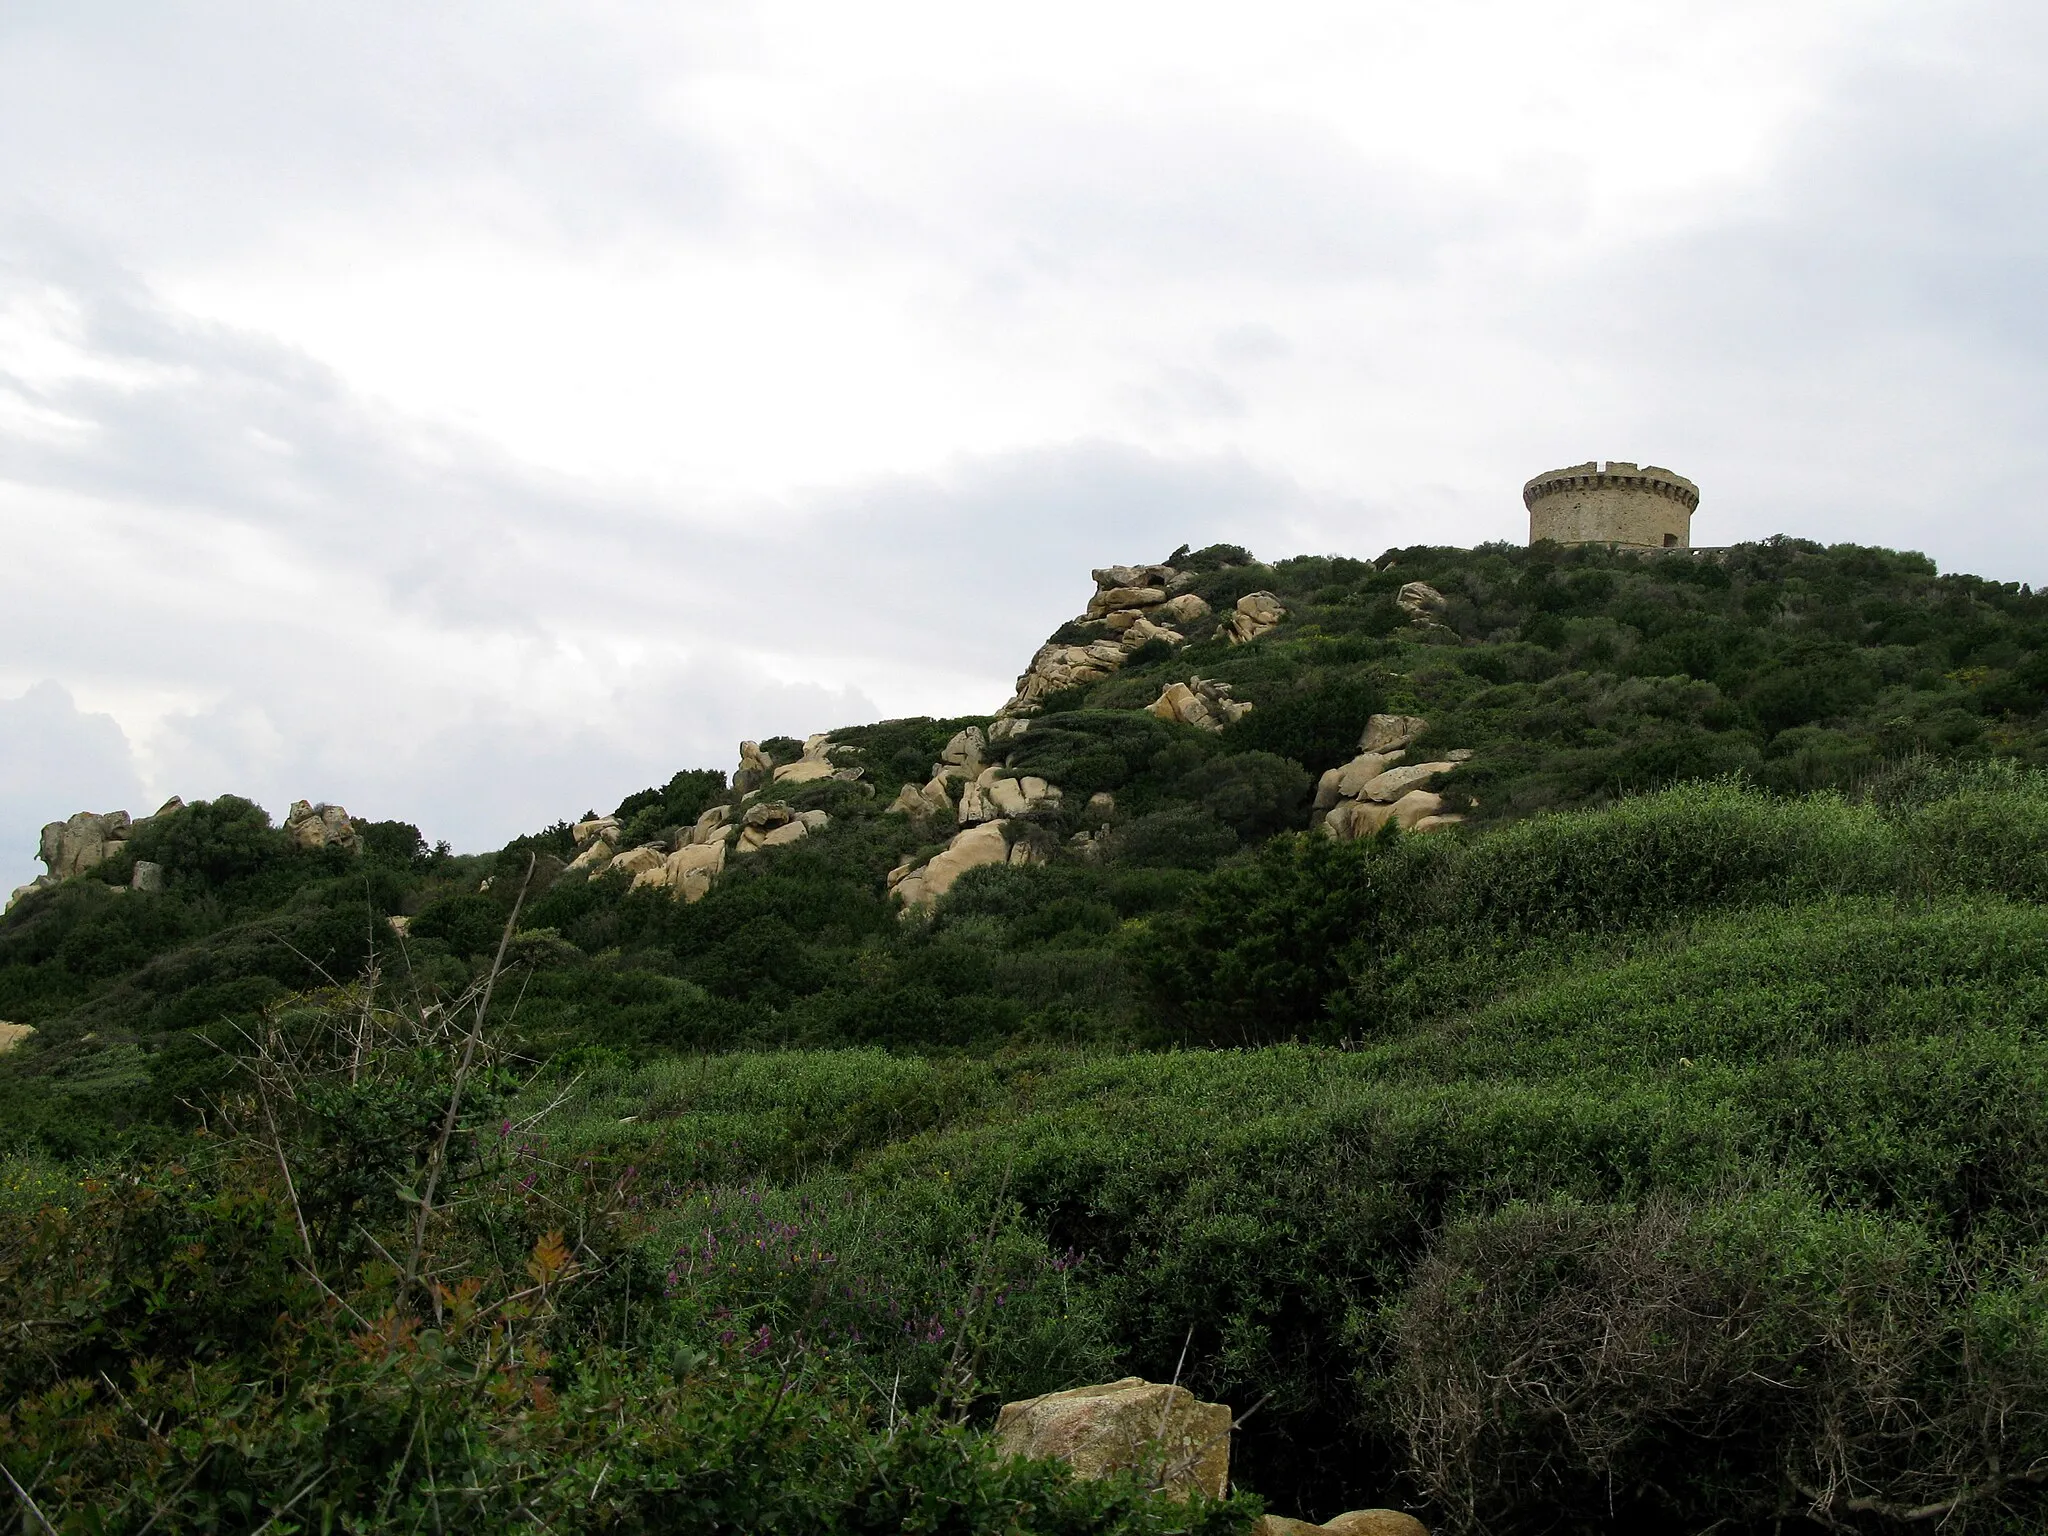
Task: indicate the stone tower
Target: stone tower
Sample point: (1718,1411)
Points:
(1614,503)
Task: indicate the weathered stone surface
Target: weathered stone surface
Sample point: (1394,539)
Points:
(760,827)
(1396,782)
(1355,1522)
(976,802)
(1375,1522)
(1021,797)
(967,750)
(1414,806)
(715,825)
(1182,610)
(1350,819)
(594,857)
(1361,771)
(321,826)
(1101,806)
(1198,702)
(754,770)
(1024,851)
(1384,733)
(1435,823)
(636,861)
(12,1035)
(1111,598)
(1009,728)
(1057,667)
(84,841)
(816,763)
(1112,576)
(985,844)
(147,876)
(1256,612)
(587,832)
(1142,631)
(688,872)
(1420,601)
(1165,1434)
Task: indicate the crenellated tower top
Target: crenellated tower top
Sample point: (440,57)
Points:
(1634,506)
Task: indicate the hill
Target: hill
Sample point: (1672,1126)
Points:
(1642,1129)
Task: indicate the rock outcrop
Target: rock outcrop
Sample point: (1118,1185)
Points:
(1255,613)
(1058,667)
(321,826)
(917,886)
(1389,733)
(1355,1522)
(689,871)
(989,796)
(754,770)
(775,825)
(1165,1434)
(816,763)
(87,840)
(1199,702)
(1424,605)
(1376,787)
(1135,605)
(12,1035)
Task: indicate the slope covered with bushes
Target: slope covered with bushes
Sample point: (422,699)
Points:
(1661,1150)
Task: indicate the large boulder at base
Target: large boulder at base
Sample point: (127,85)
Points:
(146,876)
(1256,612)
(985,844)
(1165,1434)
(1386,733)
(1184,609)
(321,826)
(1353,1522)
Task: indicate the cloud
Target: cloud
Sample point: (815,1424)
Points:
(472,415)
(52,754)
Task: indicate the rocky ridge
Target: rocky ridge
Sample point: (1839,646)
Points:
(1133,606)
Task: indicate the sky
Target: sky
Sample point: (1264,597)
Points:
(471,414)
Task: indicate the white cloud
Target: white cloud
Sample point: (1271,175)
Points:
(471,414)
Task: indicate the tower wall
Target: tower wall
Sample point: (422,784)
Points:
(1615,503)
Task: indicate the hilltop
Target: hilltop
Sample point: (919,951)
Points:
(1560,1027)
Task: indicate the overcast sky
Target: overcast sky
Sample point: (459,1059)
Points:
(472,413)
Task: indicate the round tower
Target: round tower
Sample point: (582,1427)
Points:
(1613,503)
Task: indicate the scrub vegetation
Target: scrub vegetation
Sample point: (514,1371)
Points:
(1664,1149)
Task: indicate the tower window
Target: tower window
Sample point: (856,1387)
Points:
(1671,541)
